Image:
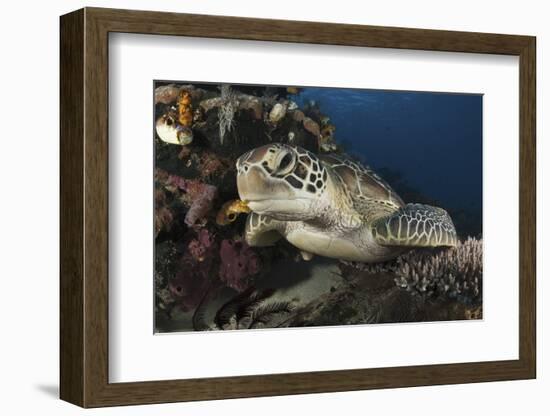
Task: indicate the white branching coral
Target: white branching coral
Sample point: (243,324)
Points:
(455,272)
(226,111)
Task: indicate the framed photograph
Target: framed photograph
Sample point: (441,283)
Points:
(260,207)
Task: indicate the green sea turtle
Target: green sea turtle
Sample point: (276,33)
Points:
(333,207)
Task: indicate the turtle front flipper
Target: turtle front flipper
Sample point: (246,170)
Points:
(262,231)
(415,225)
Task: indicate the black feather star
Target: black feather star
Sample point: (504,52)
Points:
(264,313)
(250,309)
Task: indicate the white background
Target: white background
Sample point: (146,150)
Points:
(310,349)
(29,220)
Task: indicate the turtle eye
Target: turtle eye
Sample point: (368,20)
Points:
(286,164)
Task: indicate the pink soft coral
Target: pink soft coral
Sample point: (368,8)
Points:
(203,246)
(238,263)
(199,194)
(190,284)
(195,275)
(163,215)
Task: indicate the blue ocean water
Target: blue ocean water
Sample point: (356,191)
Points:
(430,141)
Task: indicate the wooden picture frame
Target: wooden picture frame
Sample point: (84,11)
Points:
(84,207)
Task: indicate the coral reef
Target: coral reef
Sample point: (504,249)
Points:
(298,116)
(198,195)
(252,104)
(194,275)
(190,274)
(202,196)
(166,265)
(163,216)
(326,140)
(238,263)
(185,109)
(166,94)
(311,126)
(454,272)
(190,285)
(163,220)
(277,113)
(226,111)
(202,246)
(174,124)
(196,179)
(205,163)
(374,299)
(169,131)
(251,309)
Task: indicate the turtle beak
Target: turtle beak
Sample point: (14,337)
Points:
(250,178)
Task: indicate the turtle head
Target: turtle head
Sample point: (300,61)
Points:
(284,182)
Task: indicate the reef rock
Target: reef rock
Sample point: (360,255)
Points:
(277,113)
(311,126)
(166,94)
(251,104)
(298,116)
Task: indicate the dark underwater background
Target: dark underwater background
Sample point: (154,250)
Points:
(427,145)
